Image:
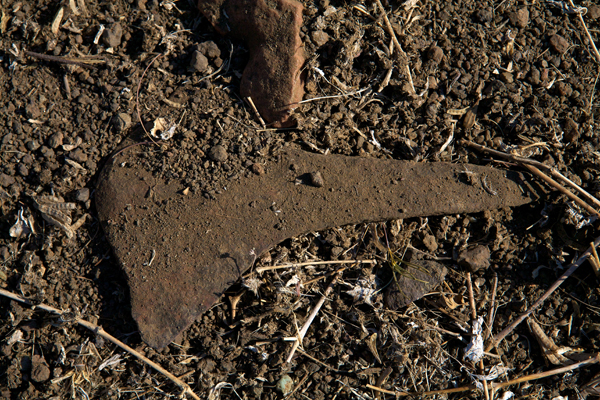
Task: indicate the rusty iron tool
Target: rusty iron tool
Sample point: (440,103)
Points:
(180,253)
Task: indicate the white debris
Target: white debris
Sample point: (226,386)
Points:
(23,226)
(114,360)
(474,351)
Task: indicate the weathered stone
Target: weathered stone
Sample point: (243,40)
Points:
(559,43)
(218,153)
(271,30)
(112,36)
(475,259)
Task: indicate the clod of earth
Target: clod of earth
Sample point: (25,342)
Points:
(273,76)
(180,253)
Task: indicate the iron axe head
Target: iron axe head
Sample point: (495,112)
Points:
(181,252)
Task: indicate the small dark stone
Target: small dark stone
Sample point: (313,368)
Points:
(32,145)
(435,53)
(55,140)
(571,130)
(475,258)
(6,180)
(82,195)
(199,62)
(40,372)
(78,155)
(218,153)
(316,179)
(122,121)
(112,36)
(258,169)
(22,169)
(506,77)
(559,43)
(534,76)
(420,277)
(319,37)
(520,19)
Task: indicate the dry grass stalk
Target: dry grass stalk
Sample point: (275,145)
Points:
(494,385)
(492,311)
(562,189)
(101,332)
(256,113)
(524,160)
(390,29)
(304,264)
(313,314)
(589,35)
(500,336)
(595,261)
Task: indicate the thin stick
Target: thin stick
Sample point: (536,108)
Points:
(429,393)
(390,29)
(499,337)
(303,264)
(492,309)
(101,332)
(526,378)
(262,121)
(524,160)
(312,315)
(595,261)
(471,297)
(562,189)
(596,53)
(80,62)
(495,385)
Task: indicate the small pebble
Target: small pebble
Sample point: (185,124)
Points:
(55,140)
(209,49)
(475,259)
(319,38)
(316,179)
(258,169)
(82,195)
(435,53)
(571,130)
(285,385)
(6,180)
(218,153)
(112,36)
(199,62)
(122,121)
(559,43)
(520,19)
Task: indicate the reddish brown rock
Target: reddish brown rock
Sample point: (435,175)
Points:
(271,30)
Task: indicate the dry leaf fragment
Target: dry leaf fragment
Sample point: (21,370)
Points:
(551,351)
(57,20)
(58,213)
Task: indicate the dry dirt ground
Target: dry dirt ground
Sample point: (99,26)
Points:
(528,68)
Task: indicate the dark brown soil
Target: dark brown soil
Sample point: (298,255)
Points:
(506,75)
